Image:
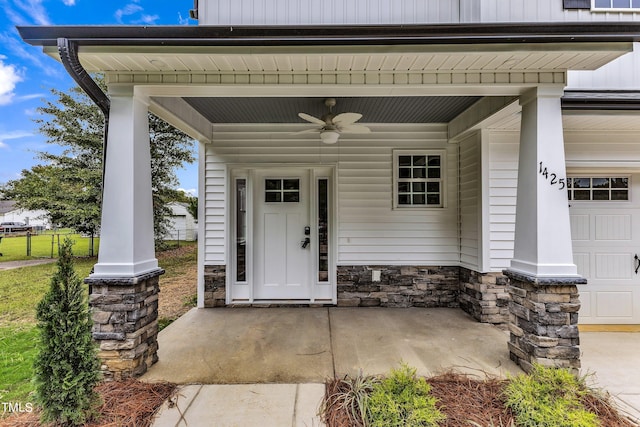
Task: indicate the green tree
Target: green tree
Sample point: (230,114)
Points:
(68,182)
(66,367)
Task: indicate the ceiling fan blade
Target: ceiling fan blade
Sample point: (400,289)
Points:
(344,119)
(354,129)
(306,131)
(311,119)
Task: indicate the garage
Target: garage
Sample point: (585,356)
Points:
(605,230)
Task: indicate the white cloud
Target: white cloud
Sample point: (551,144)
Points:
(32,8)
(16,134)
(31,54)
(9,77)
(69,2)
(128,10)
(149,19)
(29,96)
(181,20)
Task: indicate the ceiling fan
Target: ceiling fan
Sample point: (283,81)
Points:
(332,125)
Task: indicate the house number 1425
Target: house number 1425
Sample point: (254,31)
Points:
(554,178)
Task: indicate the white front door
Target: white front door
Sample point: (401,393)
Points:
(282,221)
(606,239)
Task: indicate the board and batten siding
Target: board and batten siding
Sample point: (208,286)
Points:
(369,230)
(470,201)
(545,11)
(353,12)
(328,12)
(622,73)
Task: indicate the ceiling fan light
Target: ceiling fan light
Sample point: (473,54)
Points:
(329,136)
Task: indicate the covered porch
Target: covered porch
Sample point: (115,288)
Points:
(309,345)
(189,75)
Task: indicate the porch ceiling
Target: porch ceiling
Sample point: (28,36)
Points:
(410,109)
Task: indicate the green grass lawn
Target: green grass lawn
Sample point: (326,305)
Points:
(14,248)
(17,353)
(20,291)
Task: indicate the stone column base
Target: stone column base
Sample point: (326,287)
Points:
(544,321)
(125,323)
(484,296)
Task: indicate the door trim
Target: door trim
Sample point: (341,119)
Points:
(242,292)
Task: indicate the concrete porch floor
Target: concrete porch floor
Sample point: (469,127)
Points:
(308,345)
(266,367)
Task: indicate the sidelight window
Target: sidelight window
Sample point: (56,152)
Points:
(241,229)
(323,230)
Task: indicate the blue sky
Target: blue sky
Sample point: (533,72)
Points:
(27,75)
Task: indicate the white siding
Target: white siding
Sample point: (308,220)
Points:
(544,11)
(470,202)
(591,151)
(341,12)
(214,208)
(370,231)
(327,12)
(503,181)
(622,73)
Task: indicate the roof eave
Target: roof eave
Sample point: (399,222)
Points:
(517,33)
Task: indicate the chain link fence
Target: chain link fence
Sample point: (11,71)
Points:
(46,244)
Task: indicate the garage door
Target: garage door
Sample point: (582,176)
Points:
(605,228)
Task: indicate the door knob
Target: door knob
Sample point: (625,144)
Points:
(637,262)
(306,242)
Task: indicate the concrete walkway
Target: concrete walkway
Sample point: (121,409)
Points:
(266,367)
(611,360)
(10,265)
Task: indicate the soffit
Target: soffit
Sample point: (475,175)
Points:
(414,109)
(471,58)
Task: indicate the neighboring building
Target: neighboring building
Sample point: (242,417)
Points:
(10,212)
(504,136)
(183,226)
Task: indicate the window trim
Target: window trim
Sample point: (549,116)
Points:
(442,179)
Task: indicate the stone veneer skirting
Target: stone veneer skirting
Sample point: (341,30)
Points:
(215,285)
(125,323)
(483,295)
(544,321)
(399,286)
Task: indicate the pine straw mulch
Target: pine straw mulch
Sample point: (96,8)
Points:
(127,403)
(465,400)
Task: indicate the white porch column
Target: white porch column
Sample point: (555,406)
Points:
(126,238)
(124,286)
(543,233)
(543,311)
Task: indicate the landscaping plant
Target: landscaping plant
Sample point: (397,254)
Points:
(402,400)
(345,402)
(549,397)
(66,367)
